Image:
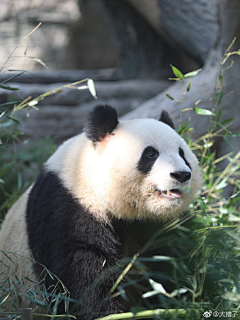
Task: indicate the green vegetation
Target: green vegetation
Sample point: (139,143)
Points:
(200,264)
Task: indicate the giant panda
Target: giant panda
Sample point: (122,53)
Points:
(78,218)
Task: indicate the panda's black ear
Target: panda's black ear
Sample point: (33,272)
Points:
(166,118)
(100,122)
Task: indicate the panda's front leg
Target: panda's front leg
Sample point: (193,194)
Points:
(91,282)
(77,247)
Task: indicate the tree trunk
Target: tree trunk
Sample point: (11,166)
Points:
(203,85)
(142,51)
(204,30)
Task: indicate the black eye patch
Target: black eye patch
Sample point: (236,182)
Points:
(182,155)
(147,159)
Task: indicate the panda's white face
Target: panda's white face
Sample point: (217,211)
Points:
(144,169)
(139,169)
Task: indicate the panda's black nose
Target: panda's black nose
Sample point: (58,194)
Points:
(181,176)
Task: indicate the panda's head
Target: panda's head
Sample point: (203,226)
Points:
(136,169)
(132,169)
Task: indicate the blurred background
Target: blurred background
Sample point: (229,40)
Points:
(127,47)
(72,35)
(77,34)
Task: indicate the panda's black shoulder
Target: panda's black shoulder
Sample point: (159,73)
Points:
(60,230)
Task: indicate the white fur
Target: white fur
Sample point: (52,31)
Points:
(106,180)
(17,257)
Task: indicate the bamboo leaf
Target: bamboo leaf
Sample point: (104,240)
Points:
(188,86)
(33,103)
(39,61)
(221,79)
(177,72)
(222,184)
(150,294)
(5,299)
(6,124)
(219,115)
(220,98)
(231,296)
(8,87)
(191,74)
(13,119)
(8,103)
(82,87)
(2,114)
(157,286)
(226,121)
(184,129)
(178,292)
(203,112)
(170,97)
(13,77)
(92,88)
(228,142)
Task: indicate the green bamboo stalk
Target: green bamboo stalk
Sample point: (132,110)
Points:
(27,103)
(125,271)
(65,316)
(147,314)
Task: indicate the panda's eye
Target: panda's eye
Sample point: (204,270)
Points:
(147,159)
(152,154)
(182,155)
(181,152)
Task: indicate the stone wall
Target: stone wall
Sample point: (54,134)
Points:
(71,36)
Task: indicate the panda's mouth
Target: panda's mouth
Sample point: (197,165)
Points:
(173,193)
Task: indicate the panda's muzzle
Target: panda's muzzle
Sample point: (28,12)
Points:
(173,193)
(180,176)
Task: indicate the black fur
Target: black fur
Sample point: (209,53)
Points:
(166,118)
(72,244)
(100,122)
(147,159)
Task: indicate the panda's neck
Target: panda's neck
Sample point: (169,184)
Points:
(134,236)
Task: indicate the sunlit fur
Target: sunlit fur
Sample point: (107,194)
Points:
(17,257)
(105,177)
